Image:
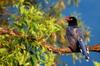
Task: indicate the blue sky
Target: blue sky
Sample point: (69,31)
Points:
(89,11)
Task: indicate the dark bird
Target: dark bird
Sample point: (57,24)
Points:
(76,37)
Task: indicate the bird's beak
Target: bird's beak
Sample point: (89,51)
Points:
(67,18)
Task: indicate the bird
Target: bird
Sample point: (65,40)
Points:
(75,36)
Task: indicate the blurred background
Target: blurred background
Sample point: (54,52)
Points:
(87,10)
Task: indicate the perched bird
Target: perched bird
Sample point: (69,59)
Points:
(75,37)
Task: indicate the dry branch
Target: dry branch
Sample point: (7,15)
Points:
(94,48)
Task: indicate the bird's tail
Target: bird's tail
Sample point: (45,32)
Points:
(84,50)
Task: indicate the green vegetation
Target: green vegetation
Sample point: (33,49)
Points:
(36,27)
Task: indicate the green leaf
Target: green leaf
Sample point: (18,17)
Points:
(96,63)
(3,50)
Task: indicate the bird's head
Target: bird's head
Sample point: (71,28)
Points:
(72,21)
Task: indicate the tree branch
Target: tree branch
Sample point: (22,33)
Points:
(94,48)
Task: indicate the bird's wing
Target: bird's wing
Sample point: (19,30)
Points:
(76,39)
(71,38)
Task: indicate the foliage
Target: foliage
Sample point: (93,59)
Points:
(37,27)
(6,2)
(96,63)
(29,52)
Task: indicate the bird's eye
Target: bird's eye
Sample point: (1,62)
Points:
(71,19)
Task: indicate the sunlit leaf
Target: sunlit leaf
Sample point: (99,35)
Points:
(96,63)
(3,50)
